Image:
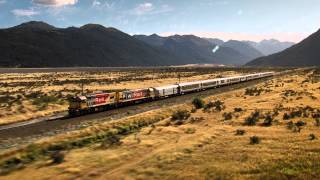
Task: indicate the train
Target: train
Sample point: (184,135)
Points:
(101,101)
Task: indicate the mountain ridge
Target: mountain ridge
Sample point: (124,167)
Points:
(305,53)
(36,44)
(196,48)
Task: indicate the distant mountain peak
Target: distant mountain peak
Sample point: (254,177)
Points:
(270,46)
(243,48)
(92,26)
(98,27)
(215,41)
(34,25)
(270,41)
(305,53)
(154,35)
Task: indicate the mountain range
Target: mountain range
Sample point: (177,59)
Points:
(305,53)
(268,47)
(37,44)
(194,49)
(200,50)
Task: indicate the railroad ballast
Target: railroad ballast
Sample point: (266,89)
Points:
(95,102)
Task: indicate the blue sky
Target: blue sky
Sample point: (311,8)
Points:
(289,20)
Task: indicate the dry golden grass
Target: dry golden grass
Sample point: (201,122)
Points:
(205,149)
(63,84)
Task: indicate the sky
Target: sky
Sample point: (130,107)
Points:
(285,20)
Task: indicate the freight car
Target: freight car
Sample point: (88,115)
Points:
(105,100)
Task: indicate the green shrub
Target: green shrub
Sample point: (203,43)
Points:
(217,105)
(286,116)
(316,114)
(300,123)
(124,130)
(267,121)
(58,147)
(196,119)
(190,130)
(317,122)
(297,113)
(252,119)
(6,98)
(238,109)
(255,140)
(12,163)
(57,157)
(253,91)
(240,132)
(198,103)
(275,113)
(290,125)
(111,140)
(227,116)
(312,137)
(180,115)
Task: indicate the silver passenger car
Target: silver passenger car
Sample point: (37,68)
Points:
(189,86)
(209,83)
(223,81)
(234,79)
(165,91)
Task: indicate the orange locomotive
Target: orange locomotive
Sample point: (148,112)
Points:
(103,101)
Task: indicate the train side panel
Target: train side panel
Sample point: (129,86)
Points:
(209,83)
(165,91)
(133,95)
(189,86)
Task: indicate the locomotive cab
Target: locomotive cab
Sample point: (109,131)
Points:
(77,104)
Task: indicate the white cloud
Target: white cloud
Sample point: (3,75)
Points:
(55,3)
(25,12)
(102,6)
(150,9)
(240,12)
(96,3)
(2,2)
(143,8)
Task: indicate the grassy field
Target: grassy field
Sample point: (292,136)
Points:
(33,94)
(270,131)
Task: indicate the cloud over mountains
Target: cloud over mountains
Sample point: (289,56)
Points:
(56,3)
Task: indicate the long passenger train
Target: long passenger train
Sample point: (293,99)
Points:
(101,101)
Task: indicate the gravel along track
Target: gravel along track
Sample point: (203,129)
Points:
(46,127)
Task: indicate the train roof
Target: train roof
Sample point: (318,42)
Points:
(167,87)
(82,98)
(235,77)
(189,83)
(209,80)
(130,90)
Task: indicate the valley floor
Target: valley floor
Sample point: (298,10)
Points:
(268,132)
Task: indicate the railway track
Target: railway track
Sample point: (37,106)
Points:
(52,125)
(61,115)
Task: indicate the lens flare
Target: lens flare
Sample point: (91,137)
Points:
(215,49)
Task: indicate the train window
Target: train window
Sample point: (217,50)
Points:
(190,86)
